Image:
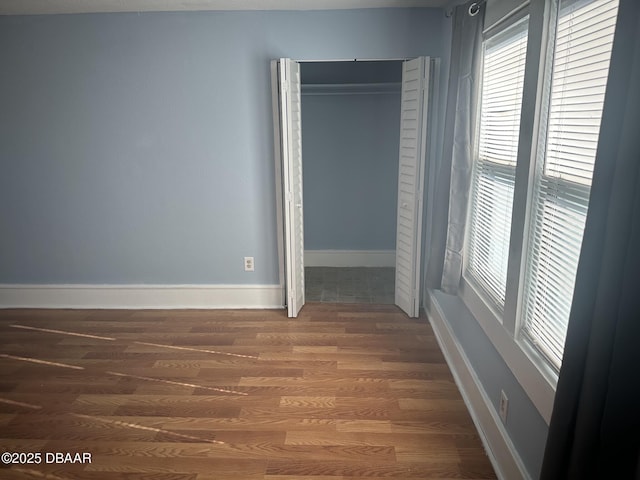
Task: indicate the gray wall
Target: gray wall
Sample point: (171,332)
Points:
(526,427)
(138,148)
(350,147)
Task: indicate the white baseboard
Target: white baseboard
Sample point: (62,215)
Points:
(141,296)
(349,258)
(500,449)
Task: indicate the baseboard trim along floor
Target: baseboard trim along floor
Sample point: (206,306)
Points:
(141,296)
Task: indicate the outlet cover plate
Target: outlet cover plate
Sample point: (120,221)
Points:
(249,264)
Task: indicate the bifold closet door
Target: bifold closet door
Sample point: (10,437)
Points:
(291,165)
(413,148)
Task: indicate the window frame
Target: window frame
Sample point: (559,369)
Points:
(490,34)
(531,370)
(574,187)
(504,328)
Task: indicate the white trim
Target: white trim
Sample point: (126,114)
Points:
(350,258)
(500,449)
(140,296)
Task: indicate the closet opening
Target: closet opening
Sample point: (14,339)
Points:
(351,187)
(350,143)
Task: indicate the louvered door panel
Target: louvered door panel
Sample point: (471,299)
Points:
(410,183)
(291,137)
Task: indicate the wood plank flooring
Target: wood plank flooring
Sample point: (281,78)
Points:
(342,392)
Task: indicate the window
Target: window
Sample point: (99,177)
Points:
(496,155)
(564,168)
(529,201)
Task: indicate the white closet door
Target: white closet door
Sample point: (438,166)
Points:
(291,148)
(413,148)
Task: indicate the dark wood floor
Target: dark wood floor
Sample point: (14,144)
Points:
(344,391)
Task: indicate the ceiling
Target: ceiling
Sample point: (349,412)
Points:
(38,7)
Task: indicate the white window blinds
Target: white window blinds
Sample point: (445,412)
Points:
(494,168)
(564,168)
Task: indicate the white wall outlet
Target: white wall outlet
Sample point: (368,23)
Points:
(504,406)
(248,264)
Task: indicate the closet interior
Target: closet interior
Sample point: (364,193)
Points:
(350,143)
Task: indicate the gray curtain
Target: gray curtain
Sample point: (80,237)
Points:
(453,177)
(595,425)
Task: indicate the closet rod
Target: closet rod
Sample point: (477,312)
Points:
(351,88)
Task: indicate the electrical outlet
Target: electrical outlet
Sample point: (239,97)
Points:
(248,264)
(504,406)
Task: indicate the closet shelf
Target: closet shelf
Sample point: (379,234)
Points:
(350,88)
